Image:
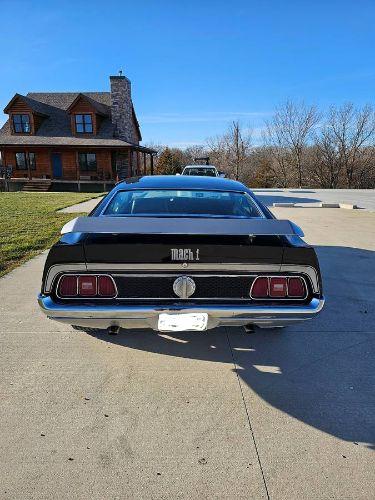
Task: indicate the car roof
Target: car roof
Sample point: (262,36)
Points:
(200,166)
(181,182)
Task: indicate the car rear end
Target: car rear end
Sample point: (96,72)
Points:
(184,254)
(236,281)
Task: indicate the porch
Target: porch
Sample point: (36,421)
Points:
(68,169)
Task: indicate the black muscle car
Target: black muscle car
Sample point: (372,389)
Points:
(178,253)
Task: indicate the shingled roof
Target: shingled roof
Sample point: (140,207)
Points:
(55,129)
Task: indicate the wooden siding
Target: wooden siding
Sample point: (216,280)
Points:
(20,107)
(42,158)
(69,159)
(103,162)
(69,164)
(84,107)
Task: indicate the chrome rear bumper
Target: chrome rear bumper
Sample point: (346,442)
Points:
(146,316)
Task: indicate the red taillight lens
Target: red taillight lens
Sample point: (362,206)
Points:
(106,287)
(68,286)
(278,287)
(268,287)
(260,288)
(296,288)
(87,285)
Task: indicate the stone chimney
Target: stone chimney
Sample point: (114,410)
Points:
(121,108)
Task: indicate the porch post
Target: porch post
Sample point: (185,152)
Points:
(152,164)
(28,164)
(144,164)
(77,169)
(131,162)
(116,166)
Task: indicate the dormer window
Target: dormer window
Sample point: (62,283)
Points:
(21,124)
(83,124)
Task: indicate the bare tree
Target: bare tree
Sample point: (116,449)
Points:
(326,164)
(231,150)
(343,150)
(195,151)
(352,129)
(288,133)
(298,148)
(280,158)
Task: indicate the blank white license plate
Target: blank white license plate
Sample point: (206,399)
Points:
(182,322)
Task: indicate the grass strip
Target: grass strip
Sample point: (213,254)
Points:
(29,223)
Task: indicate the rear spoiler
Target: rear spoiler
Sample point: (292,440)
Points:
(182,225)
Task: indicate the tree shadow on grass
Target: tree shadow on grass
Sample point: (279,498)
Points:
(320,372)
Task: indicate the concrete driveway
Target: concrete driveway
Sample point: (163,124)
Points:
(283,415)
(363,198)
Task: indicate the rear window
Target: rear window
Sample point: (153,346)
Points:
(174,203)
(209,172)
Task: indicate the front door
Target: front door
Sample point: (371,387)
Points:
(56,165)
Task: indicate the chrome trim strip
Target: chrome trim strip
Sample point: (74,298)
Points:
(54,270)
(143,316)
(113,311)
(193,275)
(183,267)
(178,299)
(310,271)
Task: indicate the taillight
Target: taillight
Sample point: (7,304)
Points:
(87,286)
(296,288)
(260,288)
(68,286)
(106,287)
(278,287)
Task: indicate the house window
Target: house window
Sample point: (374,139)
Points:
(25,161)
(83,124)
(87,161)
(21,124)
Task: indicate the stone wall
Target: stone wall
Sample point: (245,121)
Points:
(122,165)
(122,109)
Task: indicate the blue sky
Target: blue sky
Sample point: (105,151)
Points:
(196,65)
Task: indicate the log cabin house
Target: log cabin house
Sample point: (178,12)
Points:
(73,140)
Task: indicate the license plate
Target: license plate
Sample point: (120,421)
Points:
(182,322)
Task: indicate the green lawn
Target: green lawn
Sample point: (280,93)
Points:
(29,223)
